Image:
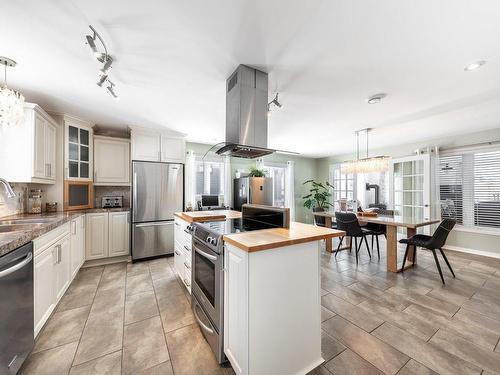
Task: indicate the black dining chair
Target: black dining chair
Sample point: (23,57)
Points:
(348,222)
(379,229)
(432,243)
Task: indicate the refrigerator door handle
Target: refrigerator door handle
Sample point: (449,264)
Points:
(154,224)
(134,198)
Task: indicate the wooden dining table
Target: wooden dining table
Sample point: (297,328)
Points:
(392,223)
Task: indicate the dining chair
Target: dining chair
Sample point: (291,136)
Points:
(432,243)
(348,222)
(379,229)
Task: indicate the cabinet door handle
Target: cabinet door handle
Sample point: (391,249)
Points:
(50,170)
(187,248)
(159,155)
(59,252)
(188,266)
(177,253)
(73,227)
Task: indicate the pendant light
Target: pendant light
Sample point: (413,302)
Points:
(11,101)
(367,164)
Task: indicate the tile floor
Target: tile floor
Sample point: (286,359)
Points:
(136,319)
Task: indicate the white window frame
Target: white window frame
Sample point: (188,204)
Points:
(206,178)
(332,181)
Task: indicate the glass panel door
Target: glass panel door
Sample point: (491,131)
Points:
(410,187)
(78,153)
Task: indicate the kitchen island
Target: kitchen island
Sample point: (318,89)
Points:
(272,299)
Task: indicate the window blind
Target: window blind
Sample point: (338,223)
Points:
(470,188)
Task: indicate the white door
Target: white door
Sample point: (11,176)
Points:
(40,169)
(44,265)
(411,186)
(111,162)
(146,146)
(119,233)
(96,236)
(172,149)
(63,267)
(50,150)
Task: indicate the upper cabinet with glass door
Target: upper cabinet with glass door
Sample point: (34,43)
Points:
(78,150)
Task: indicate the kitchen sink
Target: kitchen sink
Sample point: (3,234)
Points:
(4,228)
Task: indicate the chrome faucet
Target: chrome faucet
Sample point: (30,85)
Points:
(7,189)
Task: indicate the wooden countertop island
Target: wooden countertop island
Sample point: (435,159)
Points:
(213,215)
(272,299)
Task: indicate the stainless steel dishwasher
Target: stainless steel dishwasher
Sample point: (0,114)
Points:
(16,308)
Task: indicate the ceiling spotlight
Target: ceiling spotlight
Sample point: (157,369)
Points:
(102,57)
(91,43)
(375,99)
(107,65)
(275,102)
(111,90)
(103,79)
(475,65)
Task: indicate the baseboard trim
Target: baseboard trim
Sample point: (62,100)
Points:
(104,261)
(472,251)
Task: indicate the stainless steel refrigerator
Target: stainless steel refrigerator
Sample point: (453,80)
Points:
(157,192)
(254,190)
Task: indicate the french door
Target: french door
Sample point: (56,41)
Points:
(410,187)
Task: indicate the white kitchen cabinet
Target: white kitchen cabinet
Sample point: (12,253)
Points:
(52,272)
(63,266)
(78,149)
(119,234)
(182,252)
(28,152)
(77,227)
(107,235)
(44,297)
(265,293)
(150,145)
(111,161)
(96,236)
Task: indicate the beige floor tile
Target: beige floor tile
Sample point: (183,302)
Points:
(426,301)
(108,301)
(394,301)
(143,345)
(62,328)
(110,364)
(464,349)
(50,362)
(139,268)
(190,353)
(488,309)
(426,353)
(102,335)
(326,314)
(139,283)
(320,370)
(164,368)
(175,313)
(140,306)
(75,300)
(354,314)
(343,292)
(381,355)
(415,368)
(349,362)
(168,287)
(330,347)
(476,319)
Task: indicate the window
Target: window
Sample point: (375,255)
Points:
(470,188)
(279,185)
(344,186)
(209,178)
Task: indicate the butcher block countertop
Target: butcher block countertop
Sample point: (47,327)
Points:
(266,239)
(198,216)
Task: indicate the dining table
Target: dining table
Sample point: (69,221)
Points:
(392,223)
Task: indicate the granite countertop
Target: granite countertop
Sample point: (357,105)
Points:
(266,239)
(10,241)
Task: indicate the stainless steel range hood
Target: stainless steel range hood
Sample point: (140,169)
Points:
(246,114)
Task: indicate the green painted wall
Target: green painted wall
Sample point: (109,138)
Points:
(305,168)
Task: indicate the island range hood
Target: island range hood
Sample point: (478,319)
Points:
(246,114)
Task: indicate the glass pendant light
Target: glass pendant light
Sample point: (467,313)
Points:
(367,164)
(11,101)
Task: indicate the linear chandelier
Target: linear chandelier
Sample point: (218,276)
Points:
(105,59)
(367,164)
(11,101)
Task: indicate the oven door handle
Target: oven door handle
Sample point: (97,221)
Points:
(203,254)
(18,266)
(203,325)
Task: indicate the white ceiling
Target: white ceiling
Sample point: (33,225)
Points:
(324,56)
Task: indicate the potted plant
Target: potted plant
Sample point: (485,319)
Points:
(319,195)
(254,172)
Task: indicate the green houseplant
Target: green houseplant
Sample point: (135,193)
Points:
(254,172)
(319,195)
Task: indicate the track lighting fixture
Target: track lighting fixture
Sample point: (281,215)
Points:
(104,58)
(111,90)
(275,102)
